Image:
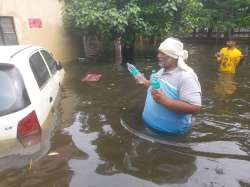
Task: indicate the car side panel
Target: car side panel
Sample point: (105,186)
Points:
(8,127)
(40,98)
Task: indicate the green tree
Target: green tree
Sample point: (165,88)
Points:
(122,20)
(223,15)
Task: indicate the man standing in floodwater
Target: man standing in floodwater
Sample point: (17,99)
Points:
(229,57)
(170,109)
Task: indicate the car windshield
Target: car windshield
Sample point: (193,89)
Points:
(13,95)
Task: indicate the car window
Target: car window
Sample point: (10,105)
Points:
(39,69)
(51,62)
(13,95)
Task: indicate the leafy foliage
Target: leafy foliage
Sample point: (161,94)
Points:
(126,18)
(103,18)
(222,15)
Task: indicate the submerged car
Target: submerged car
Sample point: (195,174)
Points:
(30,80)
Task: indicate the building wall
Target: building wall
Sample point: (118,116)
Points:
(51,35)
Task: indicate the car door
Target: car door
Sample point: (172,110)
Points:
(43,98)
(57,74)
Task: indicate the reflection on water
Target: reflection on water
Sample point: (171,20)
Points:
(95,149)
(225,85)
(116,153)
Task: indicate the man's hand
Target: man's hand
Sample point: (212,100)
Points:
(140,79)
(218,56)
(158,96)
(242,57)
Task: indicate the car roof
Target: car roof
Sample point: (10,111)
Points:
(9,51)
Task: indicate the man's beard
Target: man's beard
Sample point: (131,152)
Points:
(164,64)
(161,64)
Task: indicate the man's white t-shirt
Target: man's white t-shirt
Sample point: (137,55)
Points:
(185,82)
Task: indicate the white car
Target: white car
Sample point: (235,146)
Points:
(30,79)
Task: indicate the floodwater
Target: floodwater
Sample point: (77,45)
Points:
(99,138)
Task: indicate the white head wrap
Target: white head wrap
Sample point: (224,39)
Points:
(174,48)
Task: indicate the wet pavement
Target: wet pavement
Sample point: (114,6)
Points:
(99,139)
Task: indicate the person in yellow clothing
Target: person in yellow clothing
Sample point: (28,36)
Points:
(229,57)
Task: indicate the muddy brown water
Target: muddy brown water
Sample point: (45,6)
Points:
(100,140)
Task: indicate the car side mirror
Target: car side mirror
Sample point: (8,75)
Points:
(58,65)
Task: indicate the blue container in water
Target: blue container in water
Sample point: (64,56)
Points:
(159,117)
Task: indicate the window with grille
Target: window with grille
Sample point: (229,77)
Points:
(7,31)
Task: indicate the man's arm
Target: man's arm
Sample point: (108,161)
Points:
(218,56)
(177,106)
(145,82)
(242,58)
(189,91)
